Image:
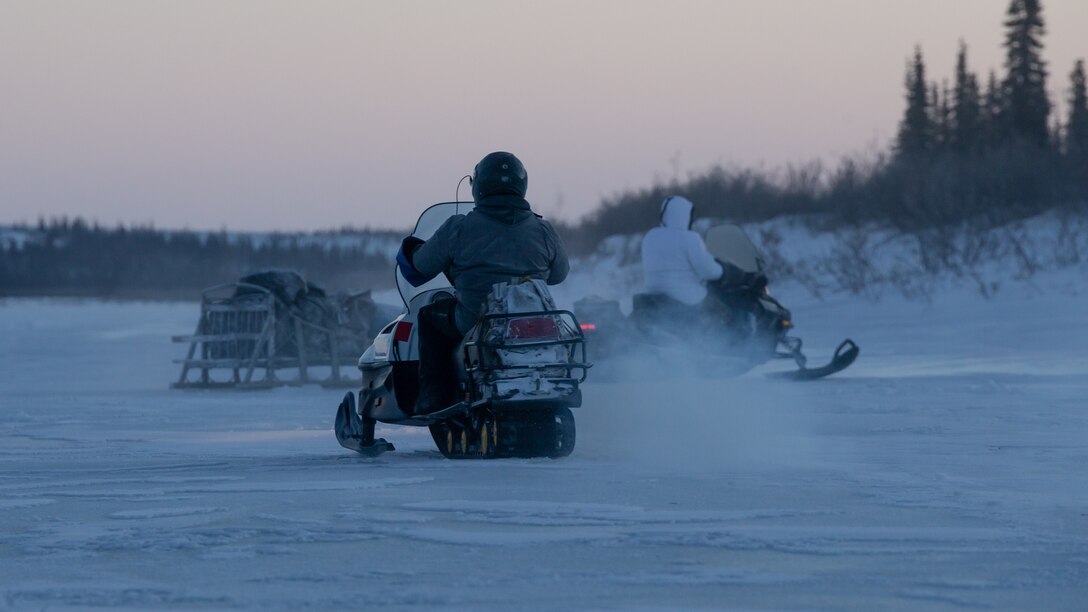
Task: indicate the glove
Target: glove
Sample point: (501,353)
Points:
(757,281)
(407,268)
(409,245)
(732,276)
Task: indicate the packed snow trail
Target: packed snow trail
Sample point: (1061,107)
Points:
(947,468)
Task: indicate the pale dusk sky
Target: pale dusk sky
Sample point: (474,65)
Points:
(257,115)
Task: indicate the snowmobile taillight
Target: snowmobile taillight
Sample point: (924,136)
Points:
(403,331)
(532,328)
(588,326)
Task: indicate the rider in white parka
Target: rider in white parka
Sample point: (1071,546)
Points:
(675,261)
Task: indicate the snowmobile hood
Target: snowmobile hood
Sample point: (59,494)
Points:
(676,212)
(505,207)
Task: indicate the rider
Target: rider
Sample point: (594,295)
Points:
(501,239)
(675,262)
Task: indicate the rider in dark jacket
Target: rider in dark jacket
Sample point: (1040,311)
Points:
(500,240)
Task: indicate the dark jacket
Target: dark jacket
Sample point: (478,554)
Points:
(499,240)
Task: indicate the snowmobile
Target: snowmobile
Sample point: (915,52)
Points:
(519,372)
(740,326)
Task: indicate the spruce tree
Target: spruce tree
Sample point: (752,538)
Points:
(966,110)
(994,131)
(940,116)
(916,128)
(933,105)
(943,117)
(1076,126)
(1026,101)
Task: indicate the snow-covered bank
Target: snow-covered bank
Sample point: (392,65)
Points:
(947,468)
(1048,253)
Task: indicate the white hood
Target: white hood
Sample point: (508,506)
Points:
(676,212)
(675,261)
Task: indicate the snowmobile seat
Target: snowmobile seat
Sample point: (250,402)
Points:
(654,304)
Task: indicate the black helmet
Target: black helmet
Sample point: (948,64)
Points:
(499,172)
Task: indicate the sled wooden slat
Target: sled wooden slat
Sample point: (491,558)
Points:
(300,340)
(251,363)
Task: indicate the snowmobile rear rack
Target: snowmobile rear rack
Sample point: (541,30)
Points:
(577,340)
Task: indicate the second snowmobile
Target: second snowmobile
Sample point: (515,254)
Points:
(740,326)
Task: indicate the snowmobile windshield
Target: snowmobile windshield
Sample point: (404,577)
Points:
(729,244)
(427,224)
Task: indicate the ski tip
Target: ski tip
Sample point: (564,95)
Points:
(847,350)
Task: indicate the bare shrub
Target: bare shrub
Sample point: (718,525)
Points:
(1072,239)
(850,264)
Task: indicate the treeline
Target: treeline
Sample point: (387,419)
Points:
(964,152)
(65,257)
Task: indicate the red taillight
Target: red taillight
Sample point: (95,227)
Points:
(588,326)
(532,328)
(403,332)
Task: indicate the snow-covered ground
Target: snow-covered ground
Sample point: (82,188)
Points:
(947,469)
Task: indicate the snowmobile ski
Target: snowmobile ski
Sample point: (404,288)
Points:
(844,355)
(354,434)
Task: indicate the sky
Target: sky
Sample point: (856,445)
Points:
(260,115)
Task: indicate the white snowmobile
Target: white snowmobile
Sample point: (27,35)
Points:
(740,327)
(519,371)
